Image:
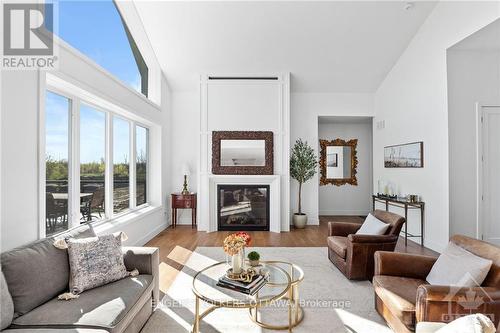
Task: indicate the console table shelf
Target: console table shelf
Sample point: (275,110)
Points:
(406,205)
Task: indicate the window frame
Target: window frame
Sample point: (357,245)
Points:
(75,101)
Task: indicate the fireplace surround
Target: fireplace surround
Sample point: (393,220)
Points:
(245,105)
(243,207)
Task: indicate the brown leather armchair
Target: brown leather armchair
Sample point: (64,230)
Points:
(403,297)
(353,254)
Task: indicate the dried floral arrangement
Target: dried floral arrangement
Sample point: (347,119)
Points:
(236,242)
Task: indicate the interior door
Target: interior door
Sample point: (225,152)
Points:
(491,174)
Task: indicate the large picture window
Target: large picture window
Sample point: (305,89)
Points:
(92,163)
(97,29)
(141,164)
(121,164)
(57,141)
(89,152)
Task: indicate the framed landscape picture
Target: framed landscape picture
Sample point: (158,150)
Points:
(409,155)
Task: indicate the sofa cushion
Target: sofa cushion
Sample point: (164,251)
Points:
(399,295)
(338,245)
(95,261)
(104,306)
(29,290)
(6,305)
(458,267)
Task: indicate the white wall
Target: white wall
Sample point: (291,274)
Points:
(305,110)
(19,158)
(473,76)
(413,102)
(185,145)
(20,96)
(348,199)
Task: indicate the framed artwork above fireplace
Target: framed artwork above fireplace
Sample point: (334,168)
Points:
(242,153)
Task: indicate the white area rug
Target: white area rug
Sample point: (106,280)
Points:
(334,302)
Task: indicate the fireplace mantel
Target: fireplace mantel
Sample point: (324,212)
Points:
(274,199)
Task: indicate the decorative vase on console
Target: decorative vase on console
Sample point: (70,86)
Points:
(234,246)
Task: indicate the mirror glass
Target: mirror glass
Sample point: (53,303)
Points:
(338,162)
(242,152)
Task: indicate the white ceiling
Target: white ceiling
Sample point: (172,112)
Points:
(326,46)
(486,39)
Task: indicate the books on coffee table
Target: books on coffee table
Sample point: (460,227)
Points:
(249,288)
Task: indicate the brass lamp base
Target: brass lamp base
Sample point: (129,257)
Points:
(185,190)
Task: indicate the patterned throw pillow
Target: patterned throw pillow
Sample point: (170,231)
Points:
(94,262)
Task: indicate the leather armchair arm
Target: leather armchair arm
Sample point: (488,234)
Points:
(147,261)
(403,264)
(353,238)
(342,228)
(446,303)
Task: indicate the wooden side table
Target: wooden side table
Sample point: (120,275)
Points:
(183,201)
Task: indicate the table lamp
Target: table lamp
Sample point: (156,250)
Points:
(186,172)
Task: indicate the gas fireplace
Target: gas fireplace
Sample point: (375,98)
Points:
(243,207)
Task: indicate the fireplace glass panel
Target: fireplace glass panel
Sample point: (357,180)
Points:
(243,207)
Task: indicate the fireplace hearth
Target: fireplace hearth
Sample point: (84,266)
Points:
(243,207)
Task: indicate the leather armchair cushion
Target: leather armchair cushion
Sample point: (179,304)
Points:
(373,226)
(458,267)
(399,294)
(338,245)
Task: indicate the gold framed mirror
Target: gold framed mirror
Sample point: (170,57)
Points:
(338,162)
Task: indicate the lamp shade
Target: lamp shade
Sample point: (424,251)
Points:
(185,169)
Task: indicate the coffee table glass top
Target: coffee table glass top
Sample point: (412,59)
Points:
(205,287)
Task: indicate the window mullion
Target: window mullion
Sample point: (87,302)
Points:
(74,164)
(132,166)
(108,174)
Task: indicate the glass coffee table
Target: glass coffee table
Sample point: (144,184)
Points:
(280,285)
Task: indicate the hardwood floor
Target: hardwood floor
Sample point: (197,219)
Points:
(176,245)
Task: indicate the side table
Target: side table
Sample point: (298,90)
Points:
(183,201)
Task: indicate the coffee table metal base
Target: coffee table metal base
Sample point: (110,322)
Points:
(295,313)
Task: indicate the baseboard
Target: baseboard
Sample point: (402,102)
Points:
(360,212)
(150,235)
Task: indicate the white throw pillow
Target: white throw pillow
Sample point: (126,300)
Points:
(372,226)
(476,323)
(458,267)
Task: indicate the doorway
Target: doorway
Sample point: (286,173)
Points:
(489,166)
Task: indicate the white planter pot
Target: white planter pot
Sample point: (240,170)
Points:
(299,221)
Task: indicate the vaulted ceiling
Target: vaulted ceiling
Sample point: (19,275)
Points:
(326,46)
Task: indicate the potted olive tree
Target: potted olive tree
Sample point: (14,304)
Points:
(303,164)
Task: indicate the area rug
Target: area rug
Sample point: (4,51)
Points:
(331,303)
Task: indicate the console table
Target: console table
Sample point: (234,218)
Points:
(406,205)
(183,201)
